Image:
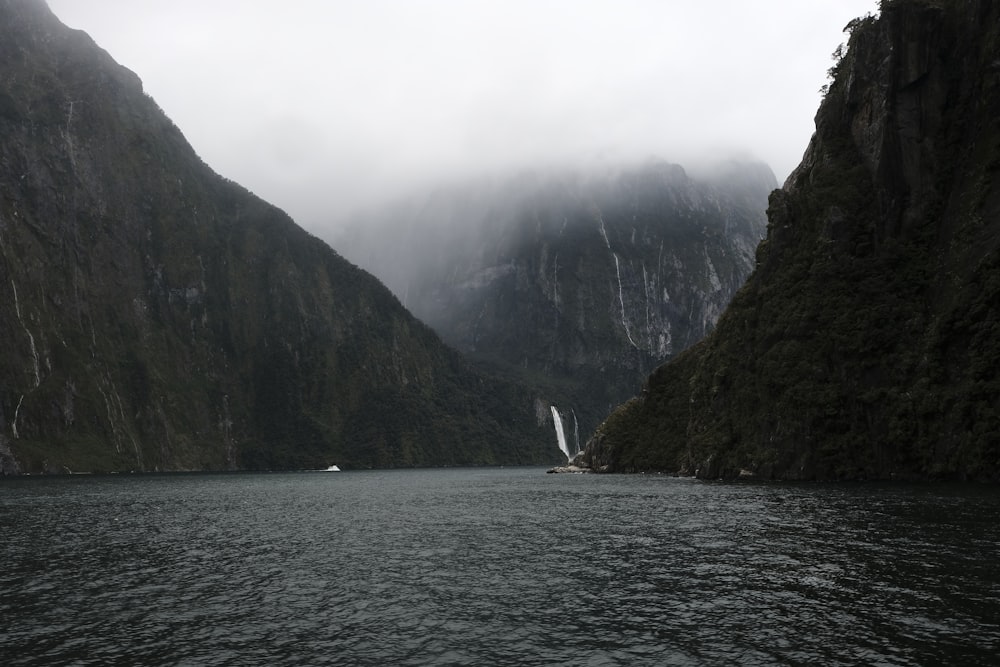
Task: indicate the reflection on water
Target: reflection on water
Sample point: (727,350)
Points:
(485,566)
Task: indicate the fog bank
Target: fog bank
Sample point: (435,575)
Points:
(323,107)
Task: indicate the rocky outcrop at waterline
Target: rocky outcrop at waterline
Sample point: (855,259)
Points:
(569,469)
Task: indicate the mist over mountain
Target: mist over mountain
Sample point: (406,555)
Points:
(156,316)
(576,282)
(323,107)
(866,343)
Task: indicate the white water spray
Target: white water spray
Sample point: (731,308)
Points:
(560,433)
(576,431)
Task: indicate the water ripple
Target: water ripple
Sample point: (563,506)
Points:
(472,567)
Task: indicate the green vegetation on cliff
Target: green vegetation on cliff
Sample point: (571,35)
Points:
(155,316)
(866,343)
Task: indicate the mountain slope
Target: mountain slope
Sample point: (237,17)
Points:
(156,316)
(867,342)
(576,283)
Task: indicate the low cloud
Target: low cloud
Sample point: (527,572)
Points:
(324,107)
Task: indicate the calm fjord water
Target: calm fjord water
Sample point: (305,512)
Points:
(494,566)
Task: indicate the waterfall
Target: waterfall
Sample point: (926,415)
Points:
(560,434)
(31,339)
(621,300)
(604,232)
(576,433)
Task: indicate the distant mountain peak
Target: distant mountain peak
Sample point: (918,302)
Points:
(578,281)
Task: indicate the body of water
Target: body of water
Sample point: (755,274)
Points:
(494,567)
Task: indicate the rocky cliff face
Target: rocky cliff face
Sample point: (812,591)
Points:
(155,316)
(866,343)
(577,284)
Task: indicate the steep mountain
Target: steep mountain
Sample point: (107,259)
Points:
(866,344)
(155,316)
(577,283)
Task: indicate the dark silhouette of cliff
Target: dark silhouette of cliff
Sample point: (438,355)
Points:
(155,316)
(866,344)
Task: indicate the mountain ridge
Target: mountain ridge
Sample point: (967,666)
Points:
(157,316)
(575,282)
(863,345)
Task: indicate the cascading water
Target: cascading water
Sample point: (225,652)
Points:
(576,433)
(621,300)
(560,433)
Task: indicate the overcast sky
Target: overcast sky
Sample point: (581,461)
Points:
(320,106)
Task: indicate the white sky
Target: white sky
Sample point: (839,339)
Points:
(320,106)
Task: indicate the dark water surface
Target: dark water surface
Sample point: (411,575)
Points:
(494,567)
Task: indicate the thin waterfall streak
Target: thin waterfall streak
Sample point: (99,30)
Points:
(31,338)
(649,326)
(604,232)
(621,300)
(13,424)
